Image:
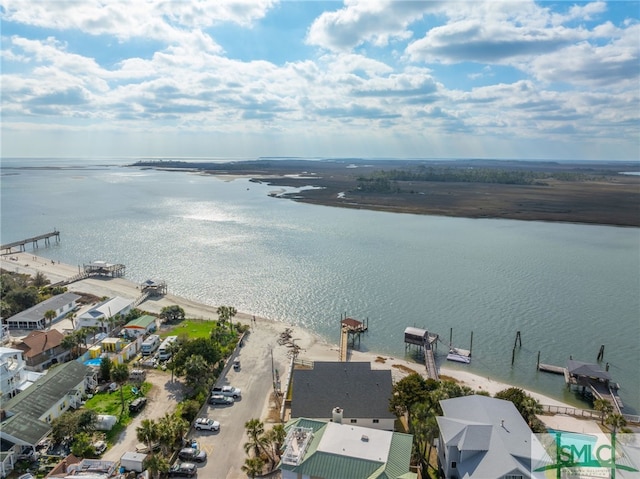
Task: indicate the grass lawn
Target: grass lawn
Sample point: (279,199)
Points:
(193,328)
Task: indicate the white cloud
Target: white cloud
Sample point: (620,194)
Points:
(378,22)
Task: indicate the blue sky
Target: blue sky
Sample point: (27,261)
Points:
(247,78)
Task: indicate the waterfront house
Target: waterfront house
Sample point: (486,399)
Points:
(140,326)
(42,349)
(27,416)
(324,449)
(33,318)
(101,315)
(360,392)
(482,437)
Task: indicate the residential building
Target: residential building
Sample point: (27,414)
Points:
(42,349)
(13,375)
(333,450)
(483,437)
(27,416)
(360,392)
(33,318)
(141,326)
(100,316)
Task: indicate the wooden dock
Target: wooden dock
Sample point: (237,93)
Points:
(350,329)
(430,361)
(22,244)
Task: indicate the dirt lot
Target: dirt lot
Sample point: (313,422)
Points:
(162,398)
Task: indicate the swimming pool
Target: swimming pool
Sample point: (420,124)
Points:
(93,362)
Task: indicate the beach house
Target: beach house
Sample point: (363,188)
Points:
(34,317)
(103,314)
(140,326)
(14,377)
(42,349)
(485,437)
(324,449)
(27,416)
(360,392)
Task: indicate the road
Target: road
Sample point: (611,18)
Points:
(225,449)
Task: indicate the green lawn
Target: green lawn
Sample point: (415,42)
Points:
(194,328)
(111,403)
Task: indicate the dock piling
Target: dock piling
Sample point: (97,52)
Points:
(601,353)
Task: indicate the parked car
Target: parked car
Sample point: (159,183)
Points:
(137,404)
(230,391)
(183,469)
(207,424)
(191,454)
(221,400)
(99,447)
(236,364)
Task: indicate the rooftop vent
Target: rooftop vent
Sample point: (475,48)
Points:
(365,438)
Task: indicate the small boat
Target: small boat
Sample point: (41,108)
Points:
(454,355)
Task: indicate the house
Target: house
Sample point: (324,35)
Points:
(482,437)
(361,393)
(13,375)
(33,318)
(42,349)
(27,416)
(335,450)
(140,326)
(100,315)
(72,467)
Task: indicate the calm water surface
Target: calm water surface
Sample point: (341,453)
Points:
(568,288)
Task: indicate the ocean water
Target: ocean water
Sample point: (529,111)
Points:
(567,288)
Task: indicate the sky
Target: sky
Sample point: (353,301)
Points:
(360,78)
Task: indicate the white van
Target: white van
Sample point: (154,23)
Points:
(164,353)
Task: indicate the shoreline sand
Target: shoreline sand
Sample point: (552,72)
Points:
(312,347)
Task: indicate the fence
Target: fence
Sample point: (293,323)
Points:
(585,413)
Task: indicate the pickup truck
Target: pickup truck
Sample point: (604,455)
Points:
(228,391)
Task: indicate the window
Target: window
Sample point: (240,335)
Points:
(453,464)
(513,476)
(353,421)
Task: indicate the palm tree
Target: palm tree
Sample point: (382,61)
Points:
(157,465)
(120,375)
(253,466)
(148,432)
(274,439)
(604,407)
(255,430)
(72,342)
(49,315)
(72,317)
(425,428)
(616,421)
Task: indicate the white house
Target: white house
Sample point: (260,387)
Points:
(483,437)
(100,314)
(331,450)
(13,375)
(33,318)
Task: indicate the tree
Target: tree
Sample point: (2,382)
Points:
(172,313)
(82,445)
(226,313)
(527,406)
(274,440)
(105,368)
(72,342)
(255,429)
(204,347)
(253,466)
(604,407)
(40,280)
(148,432)
(120,375)
(49,316)
(197,372)
(615,421)
(410,390)
(157,465)
(71,316)
(87,419)
(64,426)
(425,428)
(190,409)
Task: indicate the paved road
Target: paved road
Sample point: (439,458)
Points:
(225,448)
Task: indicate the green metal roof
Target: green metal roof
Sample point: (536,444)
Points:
(322,464)
(141,322)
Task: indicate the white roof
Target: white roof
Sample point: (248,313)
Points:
(356,441)
(107,308)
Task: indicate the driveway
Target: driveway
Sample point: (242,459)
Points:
(161,398)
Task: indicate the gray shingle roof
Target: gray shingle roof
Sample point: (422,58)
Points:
(360,391)
(36,313)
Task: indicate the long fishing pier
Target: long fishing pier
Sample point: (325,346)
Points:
(22,244)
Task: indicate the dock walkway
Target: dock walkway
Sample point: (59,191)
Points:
(8,248)
(430,361)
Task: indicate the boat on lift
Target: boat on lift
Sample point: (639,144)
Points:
(459,356)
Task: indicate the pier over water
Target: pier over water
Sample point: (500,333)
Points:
(22,244)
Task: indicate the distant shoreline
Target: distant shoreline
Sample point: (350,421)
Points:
(595,193)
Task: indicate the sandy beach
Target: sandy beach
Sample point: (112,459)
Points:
(312,347)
